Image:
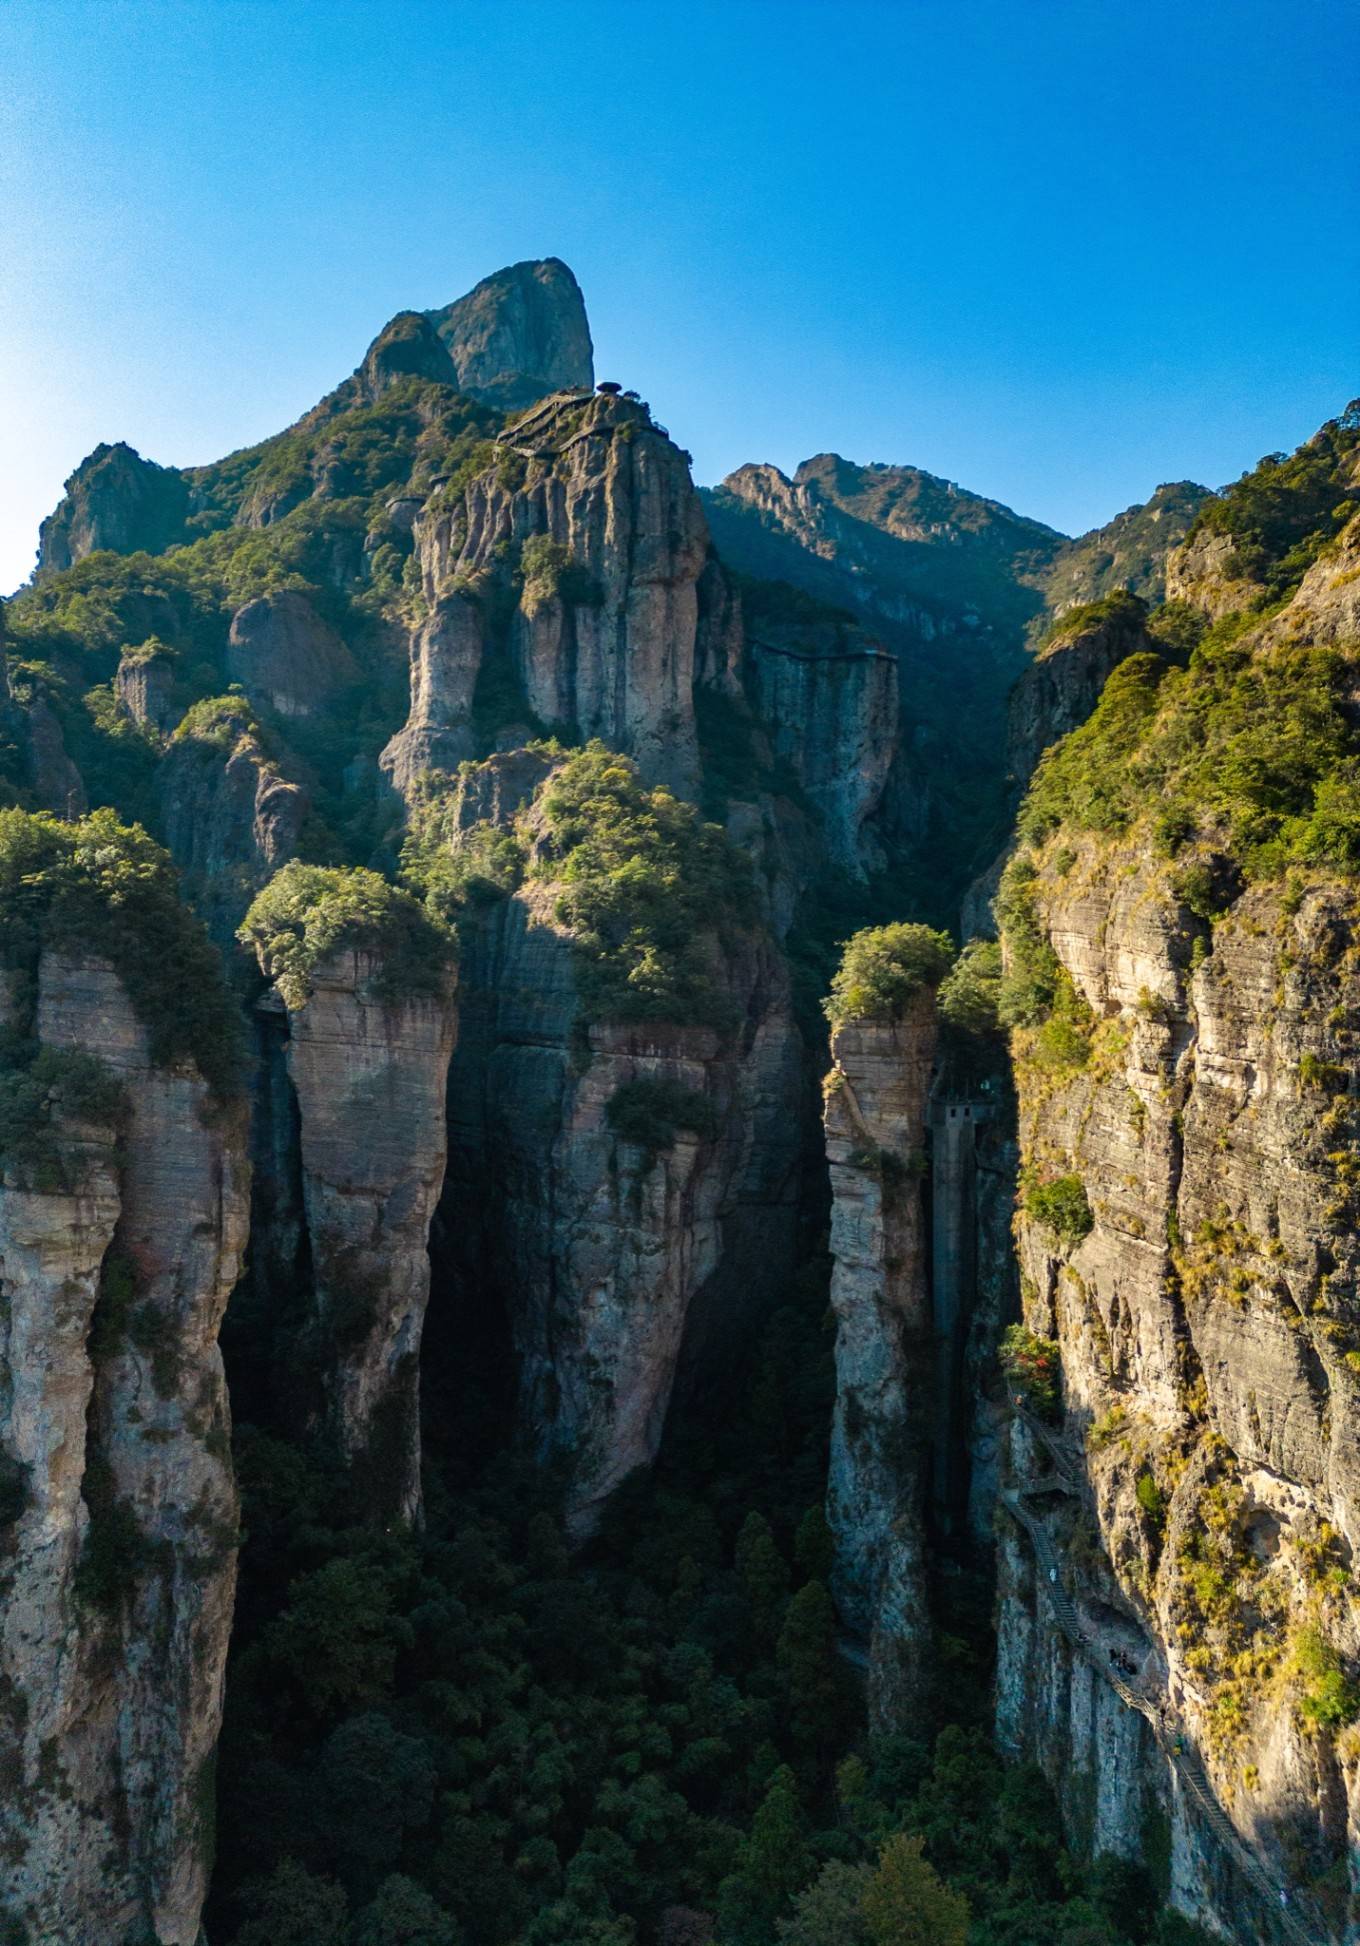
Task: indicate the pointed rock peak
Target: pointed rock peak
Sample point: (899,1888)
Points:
(408,347)
(114,499)
(520,334)
(754,474)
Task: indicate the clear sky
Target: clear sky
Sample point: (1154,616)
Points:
(1058,252)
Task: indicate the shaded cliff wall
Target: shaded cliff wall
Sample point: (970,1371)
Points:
(606,1251)
(116,1261)
(350,1140)
(875,1109)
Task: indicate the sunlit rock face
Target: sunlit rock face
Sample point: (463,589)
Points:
(520,334)
(115,499)
(1205,1317)
(582,550)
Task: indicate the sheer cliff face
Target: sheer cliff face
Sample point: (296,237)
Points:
(114,499)
(828,699)
(521,334)
(584,546)
(366,1138)
(1206,1318)
(119,1563)
(613,1253)
(230,818)
(875,1116)
(1062,686)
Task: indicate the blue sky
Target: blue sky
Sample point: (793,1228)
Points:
(1058,252)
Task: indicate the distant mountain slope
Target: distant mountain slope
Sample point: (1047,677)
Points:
(888,537)
(515,337)
(1129,551)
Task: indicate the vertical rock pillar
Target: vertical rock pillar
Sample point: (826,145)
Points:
(875,1118)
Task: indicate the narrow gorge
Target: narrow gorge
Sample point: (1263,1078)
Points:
(678,1189)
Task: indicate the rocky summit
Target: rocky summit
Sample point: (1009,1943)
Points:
(678,1189)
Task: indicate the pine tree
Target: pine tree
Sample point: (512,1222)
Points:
(814,1680)
(763,1573)
(906,1903)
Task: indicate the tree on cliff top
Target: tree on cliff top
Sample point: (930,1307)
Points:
(307,912)
(884,967)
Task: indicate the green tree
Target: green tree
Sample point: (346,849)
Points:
(882,968)
(763,1572)
(337,1637)
(402,1914)
(814,1545)
(293,1907)
(772,1864)
(831,1911)
(374,1784)
(970,993)
(906,1903)
(811,1671)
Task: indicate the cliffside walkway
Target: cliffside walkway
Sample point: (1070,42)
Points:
(1172,1741)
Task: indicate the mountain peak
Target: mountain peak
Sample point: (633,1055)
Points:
(408,347)
(519,334)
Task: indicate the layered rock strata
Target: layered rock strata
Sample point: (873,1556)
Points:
(583,548)
(1187,1242)
(120,1543)
(614,1256)
(875,1118)
(368,1072)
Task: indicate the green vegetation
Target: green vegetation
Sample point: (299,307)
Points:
(1281,515)
(549,570)
(100,887)
(307,912)
(1328,1698)
(1032,1366)
(648,890)
(453,870)
(1119,609)
(1061,1206)
(970,993)
(1037,994)
(1255,753)
(38,1084)
(883,968)
(513,1743)
(1150,1498)
(651,1112)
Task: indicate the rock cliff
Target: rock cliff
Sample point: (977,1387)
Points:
(1186,1245)
(519,335)
(229,813)
(285,657)
(117,1255)
(827,697)
(583,547)
(1062,686)
(624,1187)
(875,1115)
(114,499)
(361,1127)
(1128,552)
